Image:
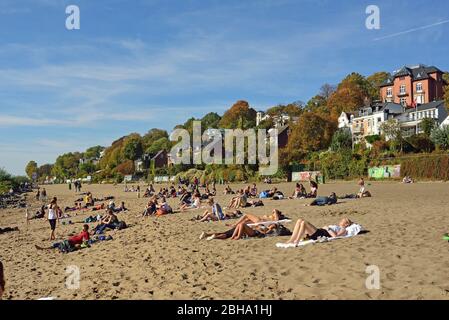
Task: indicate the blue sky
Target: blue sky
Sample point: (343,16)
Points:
(139,64)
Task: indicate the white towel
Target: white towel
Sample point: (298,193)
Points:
(352,230)
(269,222)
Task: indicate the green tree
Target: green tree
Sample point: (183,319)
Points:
(427,125)
(31,168)
(210,121)
(133,148)
(158,145)
(93,152)
(440,137)
(392,131)
(153,135)
(374,82)
(341,140)
(446,90)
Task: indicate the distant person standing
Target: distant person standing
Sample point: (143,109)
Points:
(79,186)
(70,185)
(361,185)
(44,195)
(53,217)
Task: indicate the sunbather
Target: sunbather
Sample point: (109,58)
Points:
(109,221)
(313,190)
(239,201)
(276,215)
(305,230)
(300,192)
(194,205)
(72,243)
(150,208)
(322,201)
(214,214)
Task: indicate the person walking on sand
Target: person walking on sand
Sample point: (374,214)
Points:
(53,217)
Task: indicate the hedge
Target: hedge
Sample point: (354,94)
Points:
(433,167)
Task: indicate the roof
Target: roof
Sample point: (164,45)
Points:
(158,154)
(426,106)
(418,72)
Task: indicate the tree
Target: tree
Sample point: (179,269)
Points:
(158,145)
(427,125)
(313,132)
(341,140)
(93,152)
(440,137)
(210,121)
(374,82)
(240,116)
(327,90)
(67,165)
(44,170)
(446,90)
(392,131)
(31,168)
(133,148)
(153,135)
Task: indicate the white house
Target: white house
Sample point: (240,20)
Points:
(344,120)
(411,118)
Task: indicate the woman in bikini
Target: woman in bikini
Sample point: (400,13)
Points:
(305,230)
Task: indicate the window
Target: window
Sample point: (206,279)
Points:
(402,89)
(419,87)
(389,92)
(404,101)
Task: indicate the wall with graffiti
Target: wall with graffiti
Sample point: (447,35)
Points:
(385,172)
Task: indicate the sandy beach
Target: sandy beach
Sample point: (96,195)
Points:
(163,258)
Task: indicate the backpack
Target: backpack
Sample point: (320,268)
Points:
(121,225)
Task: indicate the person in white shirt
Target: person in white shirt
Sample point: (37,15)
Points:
(53,217)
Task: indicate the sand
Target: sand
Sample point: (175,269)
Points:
(164,259)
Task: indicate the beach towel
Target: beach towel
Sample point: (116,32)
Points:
(352,230)
(263,195)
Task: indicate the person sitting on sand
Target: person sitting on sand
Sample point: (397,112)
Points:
(304,230)
(109,221)
(407,180)
(2,281)
(322,201)
(228,190)
(239,201)
(253,191)
(72,243)
(89,200)
(194,205)
(215,213)
(300,192)
(164,208)
(150,208)
(313,190)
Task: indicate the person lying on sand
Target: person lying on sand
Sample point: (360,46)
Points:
(276,215)
(243,230)
(304,230)
(72,243)
(322,201)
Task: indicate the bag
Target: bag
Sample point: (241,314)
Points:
(281,231)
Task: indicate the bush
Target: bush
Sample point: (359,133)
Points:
(440,137)
(434,167)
